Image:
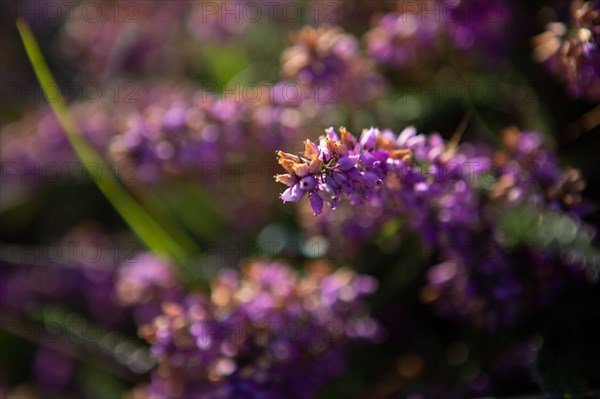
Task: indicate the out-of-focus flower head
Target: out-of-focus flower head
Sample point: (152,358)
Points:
(478,25)
(328,61)
(529,171)
(167,133)
(401,39)
(144,283)
(319,55)
(174,131)
(266,333)
(572,51)
(110,38)
(35,149)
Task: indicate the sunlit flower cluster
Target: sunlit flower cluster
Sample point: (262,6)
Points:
(265,333)
(453,198)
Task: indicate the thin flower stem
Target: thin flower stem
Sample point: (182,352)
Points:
(467,101)
(460,130)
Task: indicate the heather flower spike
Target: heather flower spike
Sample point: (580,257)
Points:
(328,63)
(434,187)
(329,169)
(572,53)
(342,165)
(238,338)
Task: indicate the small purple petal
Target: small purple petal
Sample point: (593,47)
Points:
(368,139)
(405,135)
(380,156)
(367,159)
(347,162)
(316,203)
(327,191)
(332,134)
(370,179)
(293,194)
(353,174)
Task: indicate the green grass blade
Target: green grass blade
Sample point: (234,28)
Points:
(142,223)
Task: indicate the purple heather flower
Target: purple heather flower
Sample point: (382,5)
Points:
(414,33)
(368,139)
(403,39)
(327,61)
(293,194)
(572,52)
(316,202)
(477,23)
(166,132)
(144,283)
(358,168)
(531,168)
(435,188)
(319,55)
(266,333)
(139,37)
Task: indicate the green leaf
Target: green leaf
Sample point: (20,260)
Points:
(194,208)
(141,222)
(224,62)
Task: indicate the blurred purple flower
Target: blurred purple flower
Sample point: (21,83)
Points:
(327,61)
(572,52)
(267,333)
(403,39)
